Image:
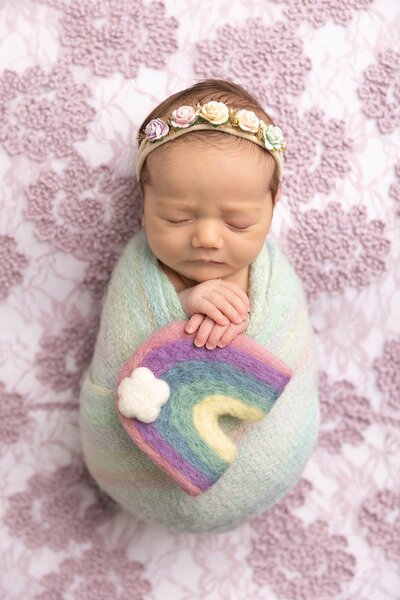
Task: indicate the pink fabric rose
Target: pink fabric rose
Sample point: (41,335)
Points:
(183,116)
(156,129)
(248,120)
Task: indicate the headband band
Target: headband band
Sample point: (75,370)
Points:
(212,116)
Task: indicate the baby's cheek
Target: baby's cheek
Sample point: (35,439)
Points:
(243,251)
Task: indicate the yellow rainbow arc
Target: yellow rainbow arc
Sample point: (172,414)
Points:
(205,420)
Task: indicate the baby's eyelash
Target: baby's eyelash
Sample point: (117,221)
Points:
(187,220)
(240,228)
(177,222)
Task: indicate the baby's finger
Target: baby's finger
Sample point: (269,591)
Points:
(194,322)
(203,332)
(210,310)
(216,334)
(238,291)
(231,333)
(229,304)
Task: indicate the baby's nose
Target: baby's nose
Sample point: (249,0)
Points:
(207,234)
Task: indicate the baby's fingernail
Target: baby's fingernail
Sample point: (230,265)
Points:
(197,343)
(220,345)
(226,321)
(189,329)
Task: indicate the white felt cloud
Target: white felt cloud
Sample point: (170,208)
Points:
(141,395)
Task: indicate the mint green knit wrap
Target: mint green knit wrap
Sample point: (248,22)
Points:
(271,453)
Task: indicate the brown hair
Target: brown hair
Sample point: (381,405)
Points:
(221,90)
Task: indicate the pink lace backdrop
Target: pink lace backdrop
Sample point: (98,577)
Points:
(76,80)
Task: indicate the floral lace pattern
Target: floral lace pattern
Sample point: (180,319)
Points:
(394,190)
(98,273)
(332,249)
(344,414)
(268,59)
(320,11)
(298,561)
(12,264)
(110,35)
(52,510)
(14,421)
(380,514)
(77,78)
(85,211)
(43,113)
(380,93)
(99,575)
(63,356)
(227,580)
(313,167)
(388,367)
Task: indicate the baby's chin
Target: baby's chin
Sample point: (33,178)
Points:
(200,272)
(199,269)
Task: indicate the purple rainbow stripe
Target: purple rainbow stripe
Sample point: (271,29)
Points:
(153,438)
(183,350)
(176,331)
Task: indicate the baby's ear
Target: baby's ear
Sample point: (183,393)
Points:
(278,194)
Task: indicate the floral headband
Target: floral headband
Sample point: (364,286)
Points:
(242,123)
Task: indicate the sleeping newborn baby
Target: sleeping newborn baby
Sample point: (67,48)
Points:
(204,309)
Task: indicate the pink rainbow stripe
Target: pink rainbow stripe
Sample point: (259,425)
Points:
(176,331)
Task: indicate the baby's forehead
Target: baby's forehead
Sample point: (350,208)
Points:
(191,149)
(199,176)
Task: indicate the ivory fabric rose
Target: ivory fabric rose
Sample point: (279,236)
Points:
(215,112)
(183,116)
(156,129)
(273,138)
(248,120)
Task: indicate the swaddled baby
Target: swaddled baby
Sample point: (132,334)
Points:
(200,406)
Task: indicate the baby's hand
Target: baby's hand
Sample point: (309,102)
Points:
(221,301)
(211,334)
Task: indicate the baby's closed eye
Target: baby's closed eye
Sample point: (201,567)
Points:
(234,225)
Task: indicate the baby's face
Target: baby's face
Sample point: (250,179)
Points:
(208,209)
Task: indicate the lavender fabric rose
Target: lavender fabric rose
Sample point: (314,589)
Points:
(156,129)
(183,116)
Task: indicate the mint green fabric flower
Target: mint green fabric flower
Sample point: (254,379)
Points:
(273,138)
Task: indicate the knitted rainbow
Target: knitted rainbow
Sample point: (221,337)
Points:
(243,379)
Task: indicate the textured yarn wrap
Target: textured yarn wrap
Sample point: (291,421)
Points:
(271,453)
